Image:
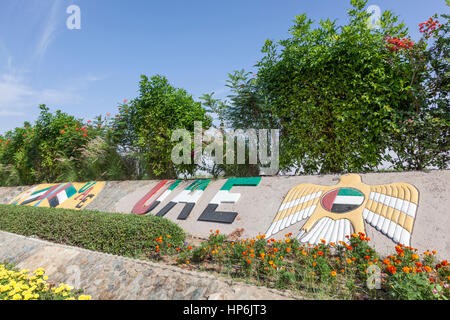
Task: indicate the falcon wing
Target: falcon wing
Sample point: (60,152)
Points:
(391,209)
(332,231)
(299,204)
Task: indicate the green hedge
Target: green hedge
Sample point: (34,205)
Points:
(116,233)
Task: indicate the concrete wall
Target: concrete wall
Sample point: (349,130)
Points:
(425,223)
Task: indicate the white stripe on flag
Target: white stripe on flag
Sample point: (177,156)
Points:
(348,200)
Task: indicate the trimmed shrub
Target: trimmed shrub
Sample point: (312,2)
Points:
(115,233)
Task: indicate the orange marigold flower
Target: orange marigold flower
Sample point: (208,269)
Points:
(187,261)
(320,253)
(386,261)
(405,269)
(314,264)
(392,269)
(288,249)
(249,261)
(427,269)
(333,273)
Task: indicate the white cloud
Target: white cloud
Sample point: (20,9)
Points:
(11,113)
(16,95)
(49,33)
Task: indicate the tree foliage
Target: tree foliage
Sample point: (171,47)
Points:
(145,125)
(334,92)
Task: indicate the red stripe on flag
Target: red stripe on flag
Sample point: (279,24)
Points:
(140,207)
(328,199)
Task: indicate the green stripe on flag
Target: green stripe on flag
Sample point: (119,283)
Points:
(174,185)
(349,192)
(251,181)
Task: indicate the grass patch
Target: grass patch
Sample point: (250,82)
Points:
(115,233)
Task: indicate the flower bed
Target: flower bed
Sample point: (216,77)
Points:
(343,270)
(20,285)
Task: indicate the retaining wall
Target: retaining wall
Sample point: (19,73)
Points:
(411,208)
(108,277)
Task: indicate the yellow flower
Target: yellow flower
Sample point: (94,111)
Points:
(84,297)
(17,297)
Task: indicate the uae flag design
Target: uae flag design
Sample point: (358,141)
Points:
(61,195)
(342,200)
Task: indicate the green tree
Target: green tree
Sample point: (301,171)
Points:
(420,136)
(59,148)
(144,127)
(246,107)
(333,92)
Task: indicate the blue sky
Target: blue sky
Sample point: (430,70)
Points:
(195,44)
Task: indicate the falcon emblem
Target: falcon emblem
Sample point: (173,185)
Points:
(333,212)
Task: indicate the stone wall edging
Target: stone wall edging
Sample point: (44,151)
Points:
(149,264)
